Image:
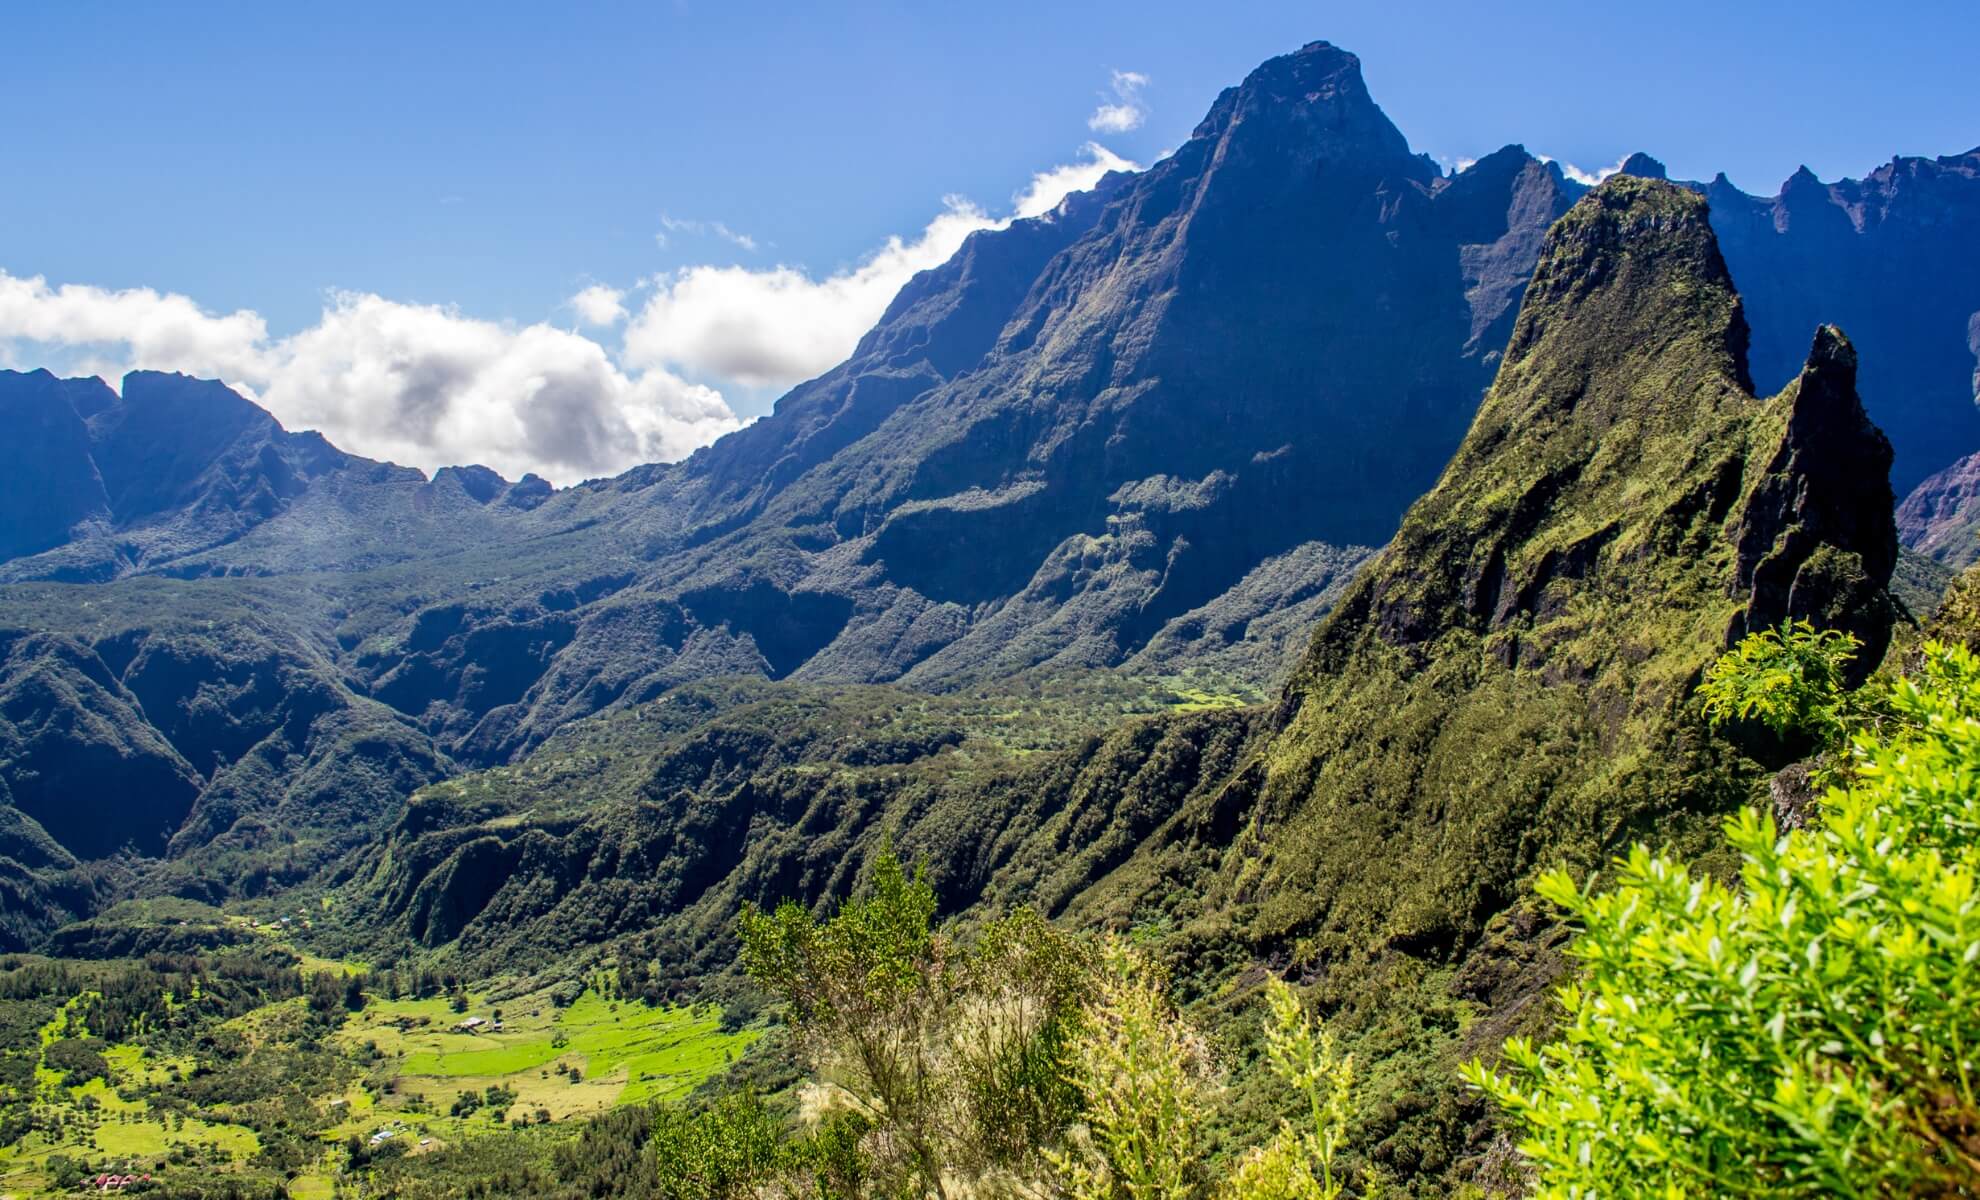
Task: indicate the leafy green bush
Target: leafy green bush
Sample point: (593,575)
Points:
(1789,679)
(723,1153)
(1145,1075)
(953,1053)
(1813,1031)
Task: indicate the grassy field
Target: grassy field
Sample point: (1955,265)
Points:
(98,1125)
(595,1053)
(410,1065)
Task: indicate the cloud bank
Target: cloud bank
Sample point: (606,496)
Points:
(417,384)
(429,386)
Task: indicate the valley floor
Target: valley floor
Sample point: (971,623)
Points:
(397,1076)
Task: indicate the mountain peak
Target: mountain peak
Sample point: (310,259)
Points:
(1312,104)
(1632,237)
(1642,166)
(1802,182)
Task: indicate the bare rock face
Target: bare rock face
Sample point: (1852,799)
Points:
(1941,516)
(1894,258)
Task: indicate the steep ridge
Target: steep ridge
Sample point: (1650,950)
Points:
(1523,653)
(641,832)
(236,751)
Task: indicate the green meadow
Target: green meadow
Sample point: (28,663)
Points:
(405,1066)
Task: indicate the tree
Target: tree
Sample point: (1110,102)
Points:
(1811,1031)
(953,1053)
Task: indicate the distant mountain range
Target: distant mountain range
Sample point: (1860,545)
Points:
(1158,429)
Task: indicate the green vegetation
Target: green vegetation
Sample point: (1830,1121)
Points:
(1811,1031)
(242,1067)
(952,1053)
(1144,1076)
(1788,679)
(632,1052)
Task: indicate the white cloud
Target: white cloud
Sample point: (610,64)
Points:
(1125,112)
(600,305)
(1586,178)
(779,326)
(672,225)
(428,386)
(417,384)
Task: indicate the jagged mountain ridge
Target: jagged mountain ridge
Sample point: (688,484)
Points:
(1895,259)
(180,476)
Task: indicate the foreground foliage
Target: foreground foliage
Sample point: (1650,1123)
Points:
(953,1052)
(1813,1030)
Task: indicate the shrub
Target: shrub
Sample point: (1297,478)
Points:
(1302,1162)
(1812,1031)
(1145,1075)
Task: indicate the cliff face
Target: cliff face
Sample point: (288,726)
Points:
(1894,258)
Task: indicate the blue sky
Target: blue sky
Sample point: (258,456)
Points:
(487,162)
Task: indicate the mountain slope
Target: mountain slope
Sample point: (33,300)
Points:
(1941,516)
